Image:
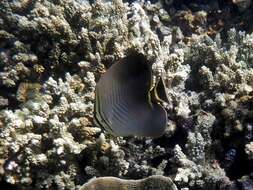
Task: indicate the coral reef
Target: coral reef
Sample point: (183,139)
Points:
(53,52)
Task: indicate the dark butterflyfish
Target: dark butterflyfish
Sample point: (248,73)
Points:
(127,104)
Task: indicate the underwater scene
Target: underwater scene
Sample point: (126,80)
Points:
(126,95)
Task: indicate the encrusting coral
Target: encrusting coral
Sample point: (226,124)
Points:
(113,183)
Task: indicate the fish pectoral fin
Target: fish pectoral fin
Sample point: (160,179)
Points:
(159,93)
